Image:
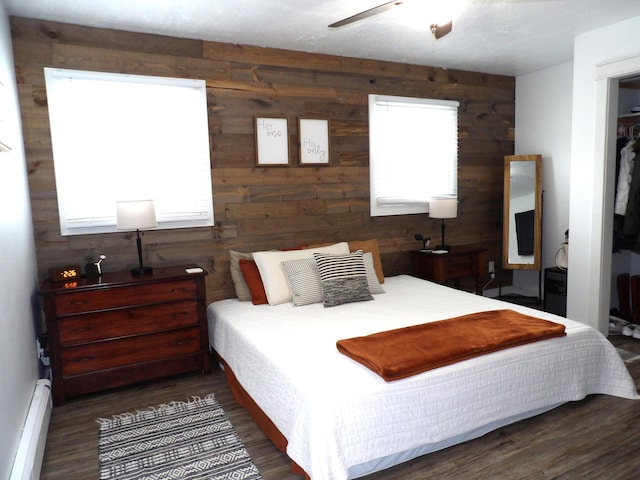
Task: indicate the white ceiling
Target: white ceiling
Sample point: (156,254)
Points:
(508,37)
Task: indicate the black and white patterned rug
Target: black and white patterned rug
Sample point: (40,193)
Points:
(627,356)
(191,440)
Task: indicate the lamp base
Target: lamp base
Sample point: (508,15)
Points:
(141,271)
(446,248)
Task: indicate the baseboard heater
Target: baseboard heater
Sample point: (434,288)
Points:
(28,461)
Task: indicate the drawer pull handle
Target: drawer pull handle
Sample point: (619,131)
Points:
(180,290)
(79,302)
(85,359)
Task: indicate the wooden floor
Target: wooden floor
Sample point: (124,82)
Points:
(597,438)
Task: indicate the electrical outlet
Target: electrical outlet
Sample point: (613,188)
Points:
(492,267)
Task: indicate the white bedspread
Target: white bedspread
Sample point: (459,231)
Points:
(335,413)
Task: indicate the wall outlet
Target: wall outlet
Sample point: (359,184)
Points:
(492,267)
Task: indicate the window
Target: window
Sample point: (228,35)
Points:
(128,137)
(413,152)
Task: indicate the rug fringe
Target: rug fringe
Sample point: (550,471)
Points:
(176,440)
(155,408)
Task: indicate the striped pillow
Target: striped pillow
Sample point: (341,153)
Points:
(304,281)
(372,276)
(343,277)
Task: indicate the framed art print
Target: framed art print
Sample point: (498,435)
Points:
(272,142)
(314,141)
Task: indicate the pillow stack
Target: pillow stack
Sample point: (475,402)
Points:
(331,274)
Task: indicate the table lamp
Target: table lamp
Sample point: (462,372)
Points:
(136,215)
(443,207)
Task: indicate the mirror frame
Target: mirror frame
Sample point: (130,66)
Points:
(537,226)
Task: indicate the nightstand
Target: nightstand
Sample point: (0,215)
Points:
(116,329)
(555,291)
(459,262)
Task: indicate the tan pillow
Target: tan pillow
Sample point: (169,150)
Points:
(370,246)
(242,290)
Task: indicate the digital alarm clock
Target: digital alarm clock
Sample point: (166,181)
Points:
(64,274)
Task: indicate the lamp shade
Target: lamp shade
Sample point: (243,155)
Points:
(443,207)
(135,214)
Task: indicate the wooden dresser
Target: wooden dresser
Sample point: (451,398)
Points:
(459,262)
(116,329)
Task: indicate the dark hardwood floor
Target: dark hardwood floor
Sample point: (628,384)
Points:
(597,438)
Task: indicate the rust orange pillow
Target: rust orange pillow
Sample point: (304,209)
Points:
(254,281)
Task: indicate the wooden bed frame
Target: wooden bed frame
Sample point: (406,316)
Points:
(266,425)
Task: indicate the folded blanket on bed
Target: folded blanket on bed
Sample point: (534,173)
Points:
(400,353)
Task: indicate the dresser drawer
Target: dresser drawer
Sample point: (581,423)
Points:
(89,327)
(119,328)
(127,351)
(122,296)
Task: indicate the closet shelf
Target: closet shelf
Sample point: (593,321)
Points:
(629,119)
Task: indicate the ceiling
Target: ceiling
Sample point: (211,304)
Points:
(507,37)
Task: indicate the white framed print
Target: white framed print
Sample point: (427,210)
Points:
(314,141)
(272,142)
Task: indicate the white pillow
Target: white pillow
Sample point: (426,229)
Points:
(273,277)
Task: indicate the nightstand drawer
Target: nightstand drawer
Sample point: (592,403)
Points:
(95,300)
(461,266)
(127,351)
(457,263)
(126,322)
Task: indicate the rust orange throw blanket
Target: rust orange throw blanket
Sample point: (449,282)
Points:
(403,352)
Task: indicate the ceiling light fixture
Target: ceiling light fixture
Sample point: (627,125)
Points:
(439,14)
(441,30)
(442,14)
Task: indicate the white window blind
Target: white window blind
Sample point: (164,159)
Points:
(413,152)
(128,137)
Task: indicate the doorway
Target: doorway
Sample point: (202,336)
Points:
(608,76)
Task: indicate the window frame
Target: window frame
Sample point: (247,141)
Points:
(383,161)
(170,121)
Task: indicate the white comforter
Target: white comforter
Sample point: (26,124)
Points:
(335,413)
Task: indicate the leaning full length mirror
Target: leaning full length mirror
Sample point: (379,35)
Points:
(522,226)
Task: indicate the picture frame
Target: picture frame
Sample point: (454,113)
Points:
(314,141)
(272,141)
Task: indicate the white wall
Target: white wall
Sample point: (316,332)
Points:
(592,168)
(18,284)
(543,126)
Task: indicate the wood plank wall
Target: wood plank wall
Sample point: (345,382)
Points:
(263,208)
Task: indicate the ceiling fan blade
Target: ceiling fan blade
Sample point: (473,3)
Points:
(440,31)
(367,13)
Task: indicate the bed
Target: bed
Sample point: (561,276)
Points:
(337,419)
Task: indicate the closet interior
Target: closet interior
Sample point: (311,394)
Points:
(625,265)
